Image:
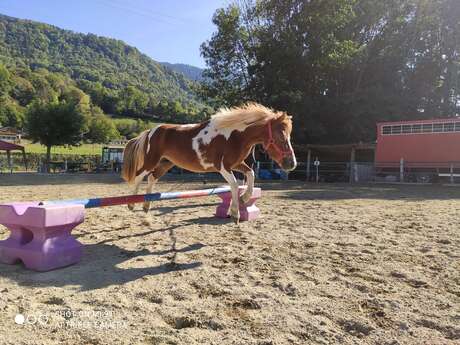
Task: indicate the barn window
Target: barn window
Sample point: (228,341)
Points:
(407,129)
(396,129)
(416,128)
(427,128)
(437,127)
(449,127)
(387,130)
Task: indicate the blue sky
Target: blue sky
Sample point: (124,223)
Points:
(168,30)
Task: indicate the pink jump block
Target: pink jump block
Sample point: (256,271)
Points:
(247,212)
(40,235)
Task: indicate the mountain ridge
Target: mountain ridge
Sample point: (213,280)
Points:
(190,71)
(91,58)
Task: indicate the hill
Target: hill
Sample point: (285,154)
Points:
(191,72)
(92,61)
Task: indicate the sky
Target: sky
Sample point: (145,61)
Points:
(166,30)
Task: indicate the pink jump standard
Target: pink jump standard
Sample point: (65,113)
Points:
(41,232)
(40,235)
(248,211)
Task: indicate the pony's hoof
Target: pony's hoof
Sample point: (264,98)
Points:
(131,207)
(236,220)
(244,201)
(146,209)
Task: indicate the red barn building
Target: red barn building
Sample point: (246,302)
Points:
(422,144)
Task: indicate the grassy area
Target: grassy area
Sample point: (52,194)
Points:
(84,149)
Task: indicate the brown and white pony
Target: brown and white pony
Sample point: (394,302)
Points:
(220,144)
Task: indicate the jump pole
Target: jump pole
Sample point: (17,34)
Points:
(138,198)
(41,231)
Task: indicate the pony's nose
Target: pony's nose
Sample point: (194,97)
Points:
(288,163)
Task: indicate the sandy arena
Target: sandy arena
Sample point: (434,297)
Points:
(324,264)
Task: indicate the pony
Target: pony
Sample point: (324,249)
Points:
(220,144)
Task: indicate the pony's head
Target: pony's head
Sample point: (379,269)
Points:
(278,142)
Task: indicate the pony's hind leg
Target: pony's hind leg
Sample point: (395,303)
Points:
(159,171)
(151,180)
(137,181)
(250,177)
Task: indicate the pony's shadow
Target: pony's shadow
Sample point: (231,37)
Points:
(99,268)
(163,210)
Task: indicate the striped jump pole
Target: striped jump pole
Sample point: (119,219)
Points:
(138,198)
(41,231)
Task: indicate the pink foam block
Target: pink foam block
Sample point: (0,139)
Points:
(40,235)
(247,212)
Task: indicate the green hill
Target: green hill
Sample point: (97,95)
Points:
(97,64)
(191,72)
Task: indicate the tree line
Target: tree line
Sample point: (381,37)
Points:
(338,66)
(21,86)
(53,110)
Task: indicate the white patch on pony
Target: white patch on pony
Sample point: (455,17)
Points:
(152,131)
(207,134)
(294,159)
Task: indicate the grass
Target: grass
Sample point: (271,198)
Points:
(84,149)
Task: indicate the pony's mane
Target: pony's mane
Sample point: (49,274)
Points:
(244,116)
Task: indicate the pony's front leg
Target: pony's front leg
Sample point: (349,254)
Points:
(250,177)
(137,182)
(234,207)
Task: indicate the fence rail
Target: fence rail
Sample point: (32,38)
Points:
(416,172)
(356,172)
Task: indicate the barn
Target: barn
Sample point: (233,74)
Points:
(419,150)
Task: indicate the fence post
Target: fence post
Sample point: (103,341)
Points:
(308,164)
(451,173)
(10,165)
(352,163)
(355,170)
(401,170)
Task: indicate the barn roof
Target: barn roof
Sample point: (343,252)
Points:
(336,147)
(7,146)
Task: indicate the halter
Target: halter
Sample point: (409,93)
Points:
(271,142)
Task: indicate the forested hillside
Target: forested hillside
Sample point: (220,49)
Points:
(191,72)
(119,78)
(338,66)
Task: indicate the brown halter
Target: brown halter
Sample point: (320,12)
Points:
(271,142)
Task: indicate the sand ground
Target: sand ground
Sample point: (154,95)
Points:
(324,264)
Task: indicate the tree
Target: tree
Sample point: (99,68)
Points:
(101,128)
(338,66)
(5,83)
(227,80)
(55,123)
(132,101)
(11,114)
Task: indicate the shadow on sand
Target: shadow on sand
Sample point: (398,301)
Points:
(99,267)
(312,191)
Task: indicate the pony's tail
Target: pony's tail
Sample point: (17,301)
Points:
(133,156)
